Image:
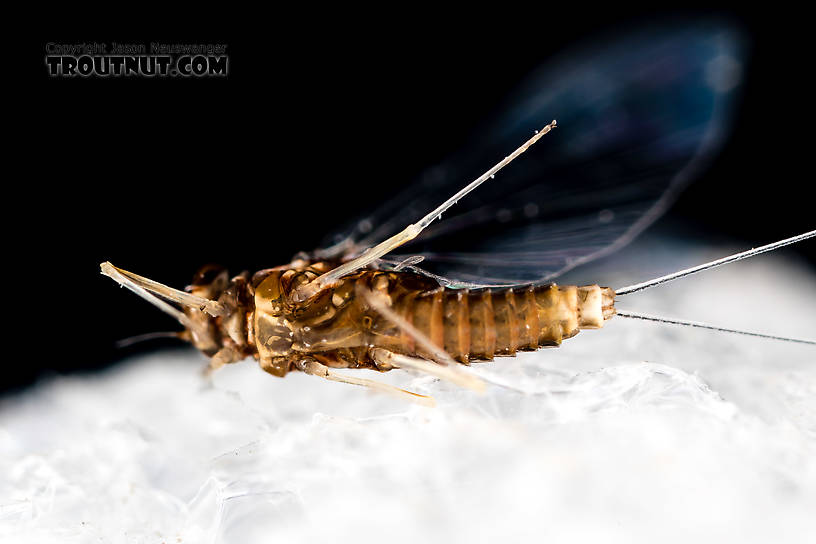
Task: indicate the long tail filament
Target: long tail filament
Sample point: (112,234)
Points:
(713,264)
(707,266)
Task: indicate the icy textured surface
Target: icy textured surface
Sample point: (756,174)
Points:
(638,432)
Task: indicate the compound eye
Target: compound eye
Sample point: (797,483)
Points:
(207,274)
(210,281)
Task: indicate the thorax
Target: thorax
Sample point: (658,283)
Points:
(335,319)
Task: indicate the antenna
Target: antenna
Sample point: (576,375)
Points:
(713,264)
(129,341)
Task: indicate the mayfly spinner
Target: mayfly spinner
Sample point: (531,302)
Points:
(640,119)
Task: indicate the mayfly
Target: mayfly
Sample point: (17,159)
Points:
(637,122)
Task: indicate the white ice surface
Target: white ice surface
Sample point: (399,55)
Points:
(635,433)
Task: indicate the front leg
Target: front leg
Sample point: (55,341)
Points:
(308,290)
(223,356)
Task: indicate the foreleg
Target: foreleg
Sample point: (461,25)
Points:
(410,232)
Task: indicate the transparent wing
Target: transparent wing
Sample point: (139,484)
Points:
(637,120)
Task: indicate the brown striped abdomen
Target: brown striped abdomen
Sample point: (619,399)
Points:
(483,323)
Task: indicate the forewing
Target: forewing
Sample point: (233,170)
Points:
(637,120)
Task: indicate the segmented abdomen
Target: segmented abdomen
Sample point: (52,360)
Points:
(483,323)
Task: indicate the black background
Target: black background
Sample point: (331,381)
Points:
(322,115)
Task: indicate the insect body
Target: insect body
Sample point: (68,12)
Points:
(340,327)
(640,118)
(386,319)
(373,319)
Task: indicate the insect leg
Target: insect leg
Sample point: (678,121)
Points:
(311,366)
(223,356)
(441,364)
(142,286)
(389,359)
(410,232)
(117,275)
